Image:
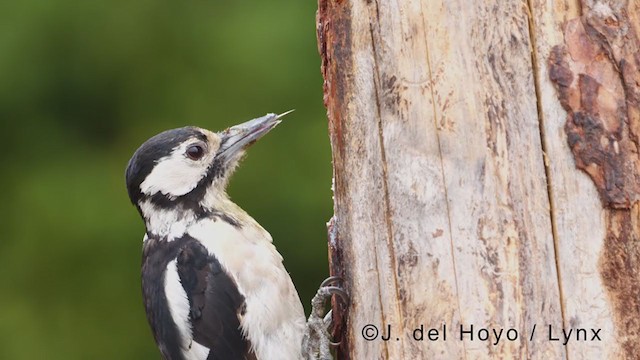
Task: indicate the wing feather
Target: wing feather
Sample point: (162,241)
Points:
(215,304)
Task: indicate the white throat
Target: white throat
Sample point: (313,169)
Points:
(169,223)
(172,223)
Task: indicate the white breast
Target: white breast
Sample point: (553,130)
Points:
(274,319)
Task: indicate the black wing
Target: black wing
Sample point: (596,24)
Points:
(157,253)
(215,302)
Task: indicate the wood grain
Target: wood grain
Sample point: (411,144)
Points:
(441,205)
(457,197)
(595,67)
(577,213)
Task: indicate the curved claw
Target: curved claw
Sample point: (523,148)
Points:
(334,290)
(331,280)
(328,318)
(317,341)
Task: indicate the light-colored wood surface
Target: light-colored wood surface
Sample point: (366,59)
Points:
(577,212)
(595,68)
(442,116)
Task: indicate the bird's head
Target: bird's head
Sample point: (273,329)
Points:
(179,168)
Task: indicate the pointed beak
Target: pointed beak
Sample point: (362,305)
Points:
(237,138)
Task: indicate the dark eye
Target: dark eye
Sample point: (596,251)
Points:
(195,152)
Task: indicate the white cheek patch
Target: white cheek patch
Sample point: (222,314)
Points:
(175,175)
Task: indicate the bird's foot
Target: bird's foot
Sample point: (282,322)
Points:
(316,344)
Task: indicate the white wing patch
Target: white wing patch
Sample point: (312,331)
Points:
(179,309)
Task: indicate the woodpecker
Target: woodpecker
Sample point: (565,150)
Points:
(213,284)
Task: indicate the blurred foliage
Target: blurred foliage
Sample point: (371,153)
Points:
(82,85)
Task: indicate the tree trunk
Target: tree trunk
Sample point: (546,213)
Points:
(486,176)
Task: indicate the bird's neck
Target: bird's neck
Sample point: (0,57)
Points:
(174,222)
(168,223)
(219,201)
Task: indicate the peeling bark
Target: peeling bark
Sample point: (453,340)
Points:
(596,73)
(333,32)
(593,76)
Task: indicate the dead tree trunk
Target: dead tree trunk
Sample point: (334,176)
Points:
(486,176)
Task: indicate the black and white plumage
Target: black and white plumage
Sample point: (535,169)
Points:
(214,285)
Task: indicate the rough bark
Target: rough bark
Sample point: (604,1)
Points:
(596,70)
(457,197)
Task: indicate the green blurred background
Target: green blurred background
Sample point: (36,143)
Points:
(82,85)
